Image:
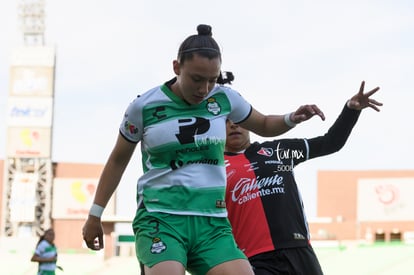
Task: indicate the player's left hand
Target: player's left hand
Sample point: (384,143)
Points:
(362,100)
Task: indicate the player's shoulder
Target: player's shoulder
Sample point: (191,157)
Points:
(223,89)
(151,95)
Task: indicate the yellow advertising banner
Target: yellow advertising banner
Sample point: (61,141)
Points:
(29,142)
(73,197)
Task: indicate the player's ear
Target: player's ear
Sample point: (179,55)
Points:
(176,67)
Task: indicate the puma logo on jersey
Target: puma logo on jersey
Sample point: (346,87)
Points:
(267,152)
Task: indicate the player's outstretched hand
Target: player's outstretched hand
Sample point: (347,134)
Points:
(362,100)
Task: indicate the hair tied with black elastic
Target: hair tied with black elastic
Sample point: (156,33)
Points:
(225,78)
(199,49)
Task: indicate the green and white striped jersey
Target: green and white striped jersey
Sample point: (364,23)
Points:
(182,149)
(46,250)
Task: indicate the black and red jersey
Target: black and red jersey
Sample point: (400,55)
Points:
(263,201)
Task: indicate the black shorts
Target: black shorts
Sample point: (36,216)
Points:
(298,261)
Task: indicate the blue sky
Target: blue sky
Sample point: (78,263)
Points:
(282,53)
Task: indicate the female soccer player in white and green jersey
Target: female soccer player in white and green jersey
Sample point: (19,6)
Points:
(181,219)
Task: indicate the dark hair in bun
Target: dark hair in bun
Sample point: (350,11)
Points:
(204,30)
(201,43)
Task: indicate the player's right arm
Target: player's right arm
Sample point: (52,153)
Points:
(108,182)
